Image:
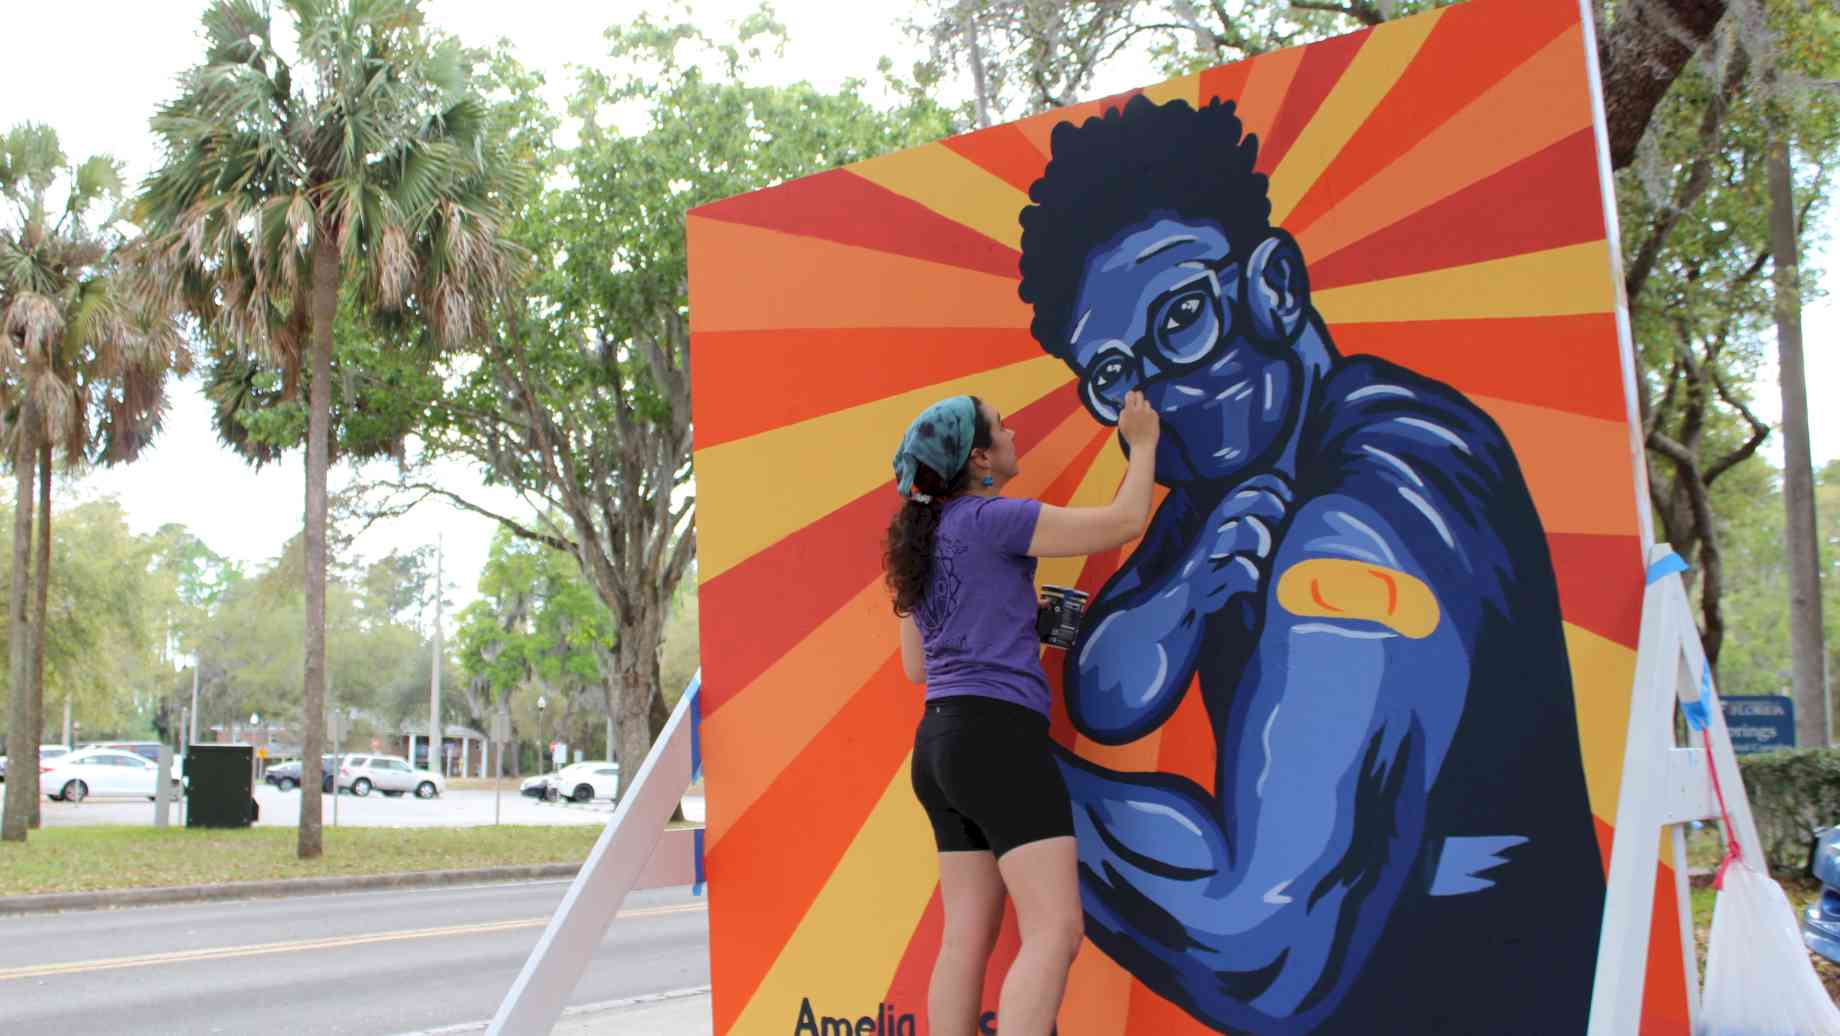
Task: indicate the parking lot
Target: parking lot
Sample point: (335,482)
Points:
(458,808)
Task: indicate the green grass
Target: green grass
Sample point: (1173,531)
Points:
(1705,848)
(84,859)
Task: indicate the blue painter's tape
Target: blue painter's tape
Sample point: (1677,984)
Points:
(696,886)
(1665,567)
(1699,713)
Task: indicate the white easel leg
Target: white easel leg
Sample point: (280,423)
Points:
(613,867)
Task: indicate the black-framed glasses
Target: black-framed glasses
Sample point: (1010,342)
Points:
(1184,328)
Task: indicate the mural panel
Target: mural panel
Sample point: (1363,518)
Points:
(1344,729)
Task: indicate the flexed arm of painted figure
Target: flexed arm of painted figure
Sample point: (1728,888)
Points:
(1256,909)
(1137,649)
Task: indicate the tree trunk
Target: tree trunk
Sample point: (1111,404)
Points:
(325,304)
(21,741)
(974,53)
(659,715)
(41,605)
(1641,53)
(638,680)
(1812,726)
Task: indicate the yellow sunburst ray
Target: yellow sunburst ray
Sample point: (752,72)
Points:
(756,491)
(953,186)
(1555,282)
(1383,58)
(872,904)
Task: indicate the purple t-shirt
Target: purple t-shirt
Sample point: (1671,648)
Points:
(978,618)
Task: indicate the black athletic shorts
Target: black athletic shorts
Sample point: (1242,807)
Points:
(984,771)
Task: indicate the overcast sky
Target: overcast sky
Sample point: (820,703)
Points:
(96,69)
(132,50)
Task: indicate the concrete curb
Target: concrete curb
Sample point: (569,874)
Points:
(111,899)
(587,1018)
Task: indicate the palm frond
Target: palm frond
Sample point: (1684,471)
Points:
(446,69)
(423,171)
(98,179)
(70,438)
(54,403)
(21,270)
(30,160)
(130,416)
(95,325)
(32,323)
(394,264)
(236,31)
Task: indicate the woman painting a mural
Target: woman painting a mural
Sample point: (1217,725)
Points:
(959,559)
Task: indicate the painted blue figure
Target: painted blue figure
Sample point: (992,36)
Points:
(1399,838)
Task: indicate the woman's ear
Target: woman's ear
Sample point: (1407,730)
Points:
(979,459)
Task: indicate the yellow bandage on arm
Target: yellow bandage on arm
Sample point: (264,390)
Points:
(1333,588)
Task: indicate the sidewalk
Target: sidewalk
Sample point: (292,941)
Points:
(681,1013)
(676,1016)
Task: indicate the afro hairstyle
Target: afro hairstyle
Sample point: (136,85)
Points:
(1114,172)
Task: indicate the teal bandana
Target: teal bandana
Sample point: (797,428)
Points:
(940,438)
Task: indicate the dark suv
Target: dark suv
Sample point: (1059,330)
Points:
(286,776)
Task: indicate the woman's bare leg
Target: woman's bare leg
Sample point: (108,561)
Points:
(971,891)
(1044,884)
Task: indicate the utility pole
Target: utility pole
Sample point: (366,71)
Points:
(435,756)
(191,737)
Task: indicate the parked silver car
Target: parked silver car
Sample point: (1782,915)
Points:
(390,774)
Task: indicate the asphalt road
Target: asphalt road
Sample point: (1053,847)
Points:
(361,963)
(457,808)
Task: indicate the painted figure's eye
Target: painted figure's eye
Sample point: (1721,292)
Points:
(1109,374)
(1186,326)
(1183,312)
(1107,380)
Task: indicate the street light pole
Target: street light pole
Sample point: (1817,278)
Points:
(435,744)
(543,733)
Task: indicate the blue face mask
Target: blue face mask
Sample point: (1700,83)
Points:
(940,438)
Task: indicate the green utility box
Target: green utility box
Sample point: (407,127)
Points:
(220,786)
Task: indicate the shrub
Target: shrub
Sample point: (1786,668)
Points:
(1793,793)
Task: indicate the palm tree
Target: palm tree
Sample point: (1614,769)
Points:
(82,376)
(361,172)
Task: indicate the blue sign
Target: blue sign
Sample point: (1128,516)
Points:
(1759,723)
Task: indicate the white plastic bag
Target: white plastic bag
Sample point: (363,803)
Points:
(1759,980)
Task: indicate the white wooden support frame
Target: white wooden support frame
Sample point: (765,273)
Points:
(1664,787)
(611,871)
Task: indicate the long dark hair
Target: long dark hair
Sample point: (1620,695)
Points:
(907,550)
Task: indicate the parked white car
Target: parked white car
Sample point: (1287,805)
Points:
(46,753)
(390,774)
(585,782)
(99,771)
